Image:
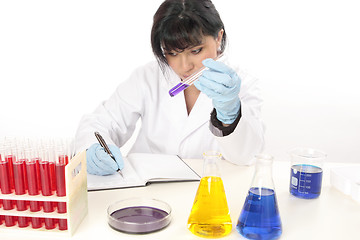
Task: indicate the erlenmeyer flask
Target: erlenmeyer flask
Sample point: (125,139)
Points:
(210,216)
(259,218)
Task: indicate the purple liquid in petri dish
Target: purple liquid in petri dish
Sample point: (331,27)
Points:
(139,219)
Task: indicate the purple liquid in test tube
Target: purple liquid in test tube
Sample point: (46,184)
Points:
(178,88)
(189,80)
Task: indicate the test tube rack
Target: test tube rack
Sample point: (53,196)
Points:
(75,199)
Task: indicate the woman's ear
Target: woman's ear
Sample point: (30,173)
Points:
(219,38)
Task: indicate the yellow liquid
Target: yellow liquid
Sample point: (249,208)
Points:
(210,216)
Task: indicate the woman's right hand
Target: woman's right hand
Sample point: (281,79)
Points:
(100,163)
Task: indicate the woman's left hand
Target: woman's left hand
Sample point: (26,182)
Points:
(222,85)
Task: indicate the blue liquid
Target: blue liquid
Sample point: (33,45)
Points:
(259,218)
(177,89)
(305,181)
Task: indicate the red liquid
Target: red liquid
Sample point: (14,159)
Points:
(32,174)
(63,224)
(45,178)
(60,179)
(1,219)
(60,185)
(50,223)
(10,221)
(6,183)
(10,159)
(46,185)
(19,183)
(5,177)
(23,222)
(64,159)
(32,179)
(8,204)
(38,172)
(52,176)
(35,206)
(36,222)
(61,206)
(48,206)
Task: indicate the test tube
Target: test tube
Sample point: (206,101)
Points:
(20,187)
(32,173)
(189,80)
(20,180)
(6,186)
(50,223)
(62,160)
(36,222)
(10,220)
(5,181)
(63,224)
(46,188)
(45,174)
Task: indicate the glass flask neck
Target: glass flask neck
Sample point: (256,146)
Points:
(211,161)
(263,172)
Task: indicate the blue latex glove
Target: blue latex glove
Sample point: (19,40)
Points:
(222,85)
(100,163)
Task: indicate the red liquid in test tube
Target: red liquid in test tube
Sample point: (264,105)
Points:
(10,158)
(32,179)
(52,176)
(46,184)
(20,182)
(63,224)
(36,222)
(23,221)
(61,183)
(50,223)
(61,161)
(6,182)
(10,220)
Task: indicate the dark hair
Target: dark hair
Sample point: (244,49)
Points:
(180,24)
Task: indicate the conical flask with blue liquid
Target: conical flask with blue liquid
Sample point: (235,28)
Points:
(260,218)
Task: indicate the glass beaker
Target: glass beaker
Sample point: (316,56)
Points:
(260,218)
(210,216)
(306,172)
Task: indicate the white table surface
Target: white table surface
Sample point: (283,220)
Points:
(332,216)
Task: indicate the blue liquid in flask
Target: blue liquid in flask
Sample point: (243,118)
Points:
(305,181)
(259,218)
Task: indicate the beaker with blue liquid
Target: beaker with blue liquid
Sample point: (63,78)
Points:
(260,218)
(306,172)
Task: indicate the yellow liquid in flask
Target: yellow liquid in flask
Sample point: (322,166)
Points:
(210,216)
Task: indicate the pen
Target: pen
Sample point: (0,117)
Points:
(106,148)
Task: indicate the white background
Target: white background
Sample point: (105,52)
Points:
(60,59)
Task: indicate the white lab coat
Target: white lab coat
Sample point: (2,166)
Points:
(165,125)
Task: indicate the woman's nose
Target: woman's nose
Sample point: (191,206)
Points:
(186,64)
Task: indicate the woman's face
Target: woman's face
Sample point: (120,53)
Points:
(189,60)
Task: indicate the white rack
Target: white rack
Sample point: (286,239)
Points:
(76,200)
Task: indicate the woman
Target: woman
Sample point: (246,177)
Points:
(186,35)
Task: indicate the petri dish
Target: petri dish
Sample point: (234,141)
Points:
(139,215)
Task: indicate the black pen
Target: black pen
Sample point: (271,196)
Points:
(106,148)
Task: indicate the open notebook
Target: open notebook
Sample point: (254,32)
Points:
(143,168)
